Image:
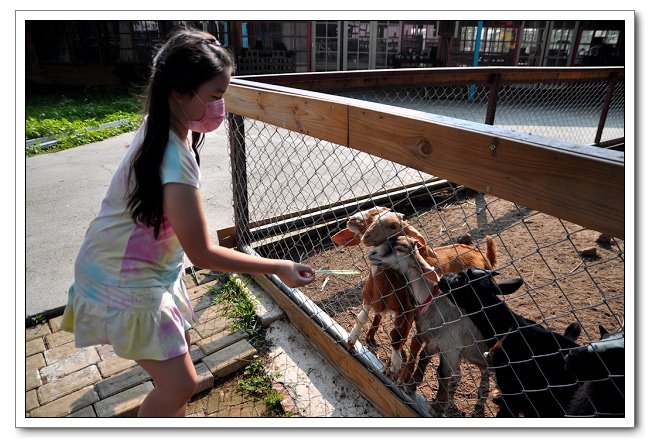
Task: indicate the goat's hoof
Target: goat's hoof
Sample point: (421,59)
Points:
(409,388)
(388,371)
(401,378)
(478,413)
(437,410)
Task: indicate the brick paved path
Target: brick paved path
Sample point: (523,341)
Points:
(62,380)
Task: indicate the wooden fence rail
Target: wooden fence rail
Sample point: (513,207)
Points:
(579,183)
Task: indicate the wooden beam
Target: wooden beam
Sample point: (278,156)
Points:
(365,381)
(578,183)
(327,120)
(428,76)
(226,237)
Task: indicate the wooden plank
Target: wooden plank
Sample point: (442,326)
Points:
(227,237)
(428,76)
(327,120)
(368,385)
(572,182)
(551,75)
(374,82)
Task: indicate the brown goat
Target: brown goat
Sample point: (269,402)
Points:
(385,291)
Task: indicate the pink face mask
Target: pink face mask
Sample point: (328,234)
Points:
(212,118)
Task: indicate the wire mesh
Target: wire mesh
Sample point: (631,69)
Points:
(568,111)
(302,190)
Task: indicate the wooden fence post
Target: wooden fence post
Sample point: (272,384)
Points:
(493,98)
(605,110)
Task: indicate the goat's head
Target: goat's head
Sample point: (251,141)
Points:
(384,226)
(598,359)
(473,289)
(402,253)
(356,226)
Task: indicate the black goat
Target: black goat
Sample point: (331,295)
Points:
(526,357)
(601,365)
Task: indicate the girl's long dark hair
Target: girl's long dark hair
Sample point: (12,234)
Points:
(185,61)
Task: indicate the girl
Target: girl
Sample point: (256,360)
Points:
(127,288)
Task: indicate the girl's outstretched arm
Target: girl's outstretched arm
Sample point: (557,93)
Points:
(184,210)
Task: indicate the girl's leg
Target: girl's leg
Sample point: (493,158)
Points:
(175,381)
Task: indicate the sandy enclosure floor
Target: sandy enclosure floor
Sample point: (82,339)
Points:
(563,283)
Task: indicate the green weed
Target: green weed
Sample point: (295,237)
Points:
(39,319)
(257,382)
(239,305)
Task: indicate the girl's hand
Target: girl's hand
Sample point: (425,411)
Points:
(295,274)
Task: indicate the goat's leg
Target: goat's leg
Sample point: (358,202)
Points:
(405,376)
(448,378)
(399,333)
(425,358)
(370,337)
(362,319)
(483,392)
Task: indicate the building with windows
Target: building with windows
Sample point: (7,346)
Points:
(112,51)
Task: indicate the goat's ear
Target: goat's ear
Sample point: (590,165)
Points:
(415,235)
(509,286)
(346,237)
(432,276)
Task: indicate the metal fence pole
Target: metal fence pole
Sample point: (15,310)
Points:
(236,133)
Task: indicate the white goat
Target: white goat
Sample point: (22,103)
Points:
(441,326)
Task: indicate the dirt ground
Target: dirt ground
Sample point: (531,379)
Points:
(569,276)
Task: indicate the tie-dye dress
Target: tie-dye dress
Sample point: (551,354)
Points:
(127,288)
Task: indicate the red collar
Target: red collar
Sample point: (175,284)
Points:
(434,293)
(498,343)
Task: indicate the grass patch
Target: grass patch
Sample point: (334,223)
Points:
(239,305)
(67,116)
(257,382)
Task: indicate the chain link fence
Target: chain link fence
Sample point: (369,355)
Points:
(294,191)
(569,111)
